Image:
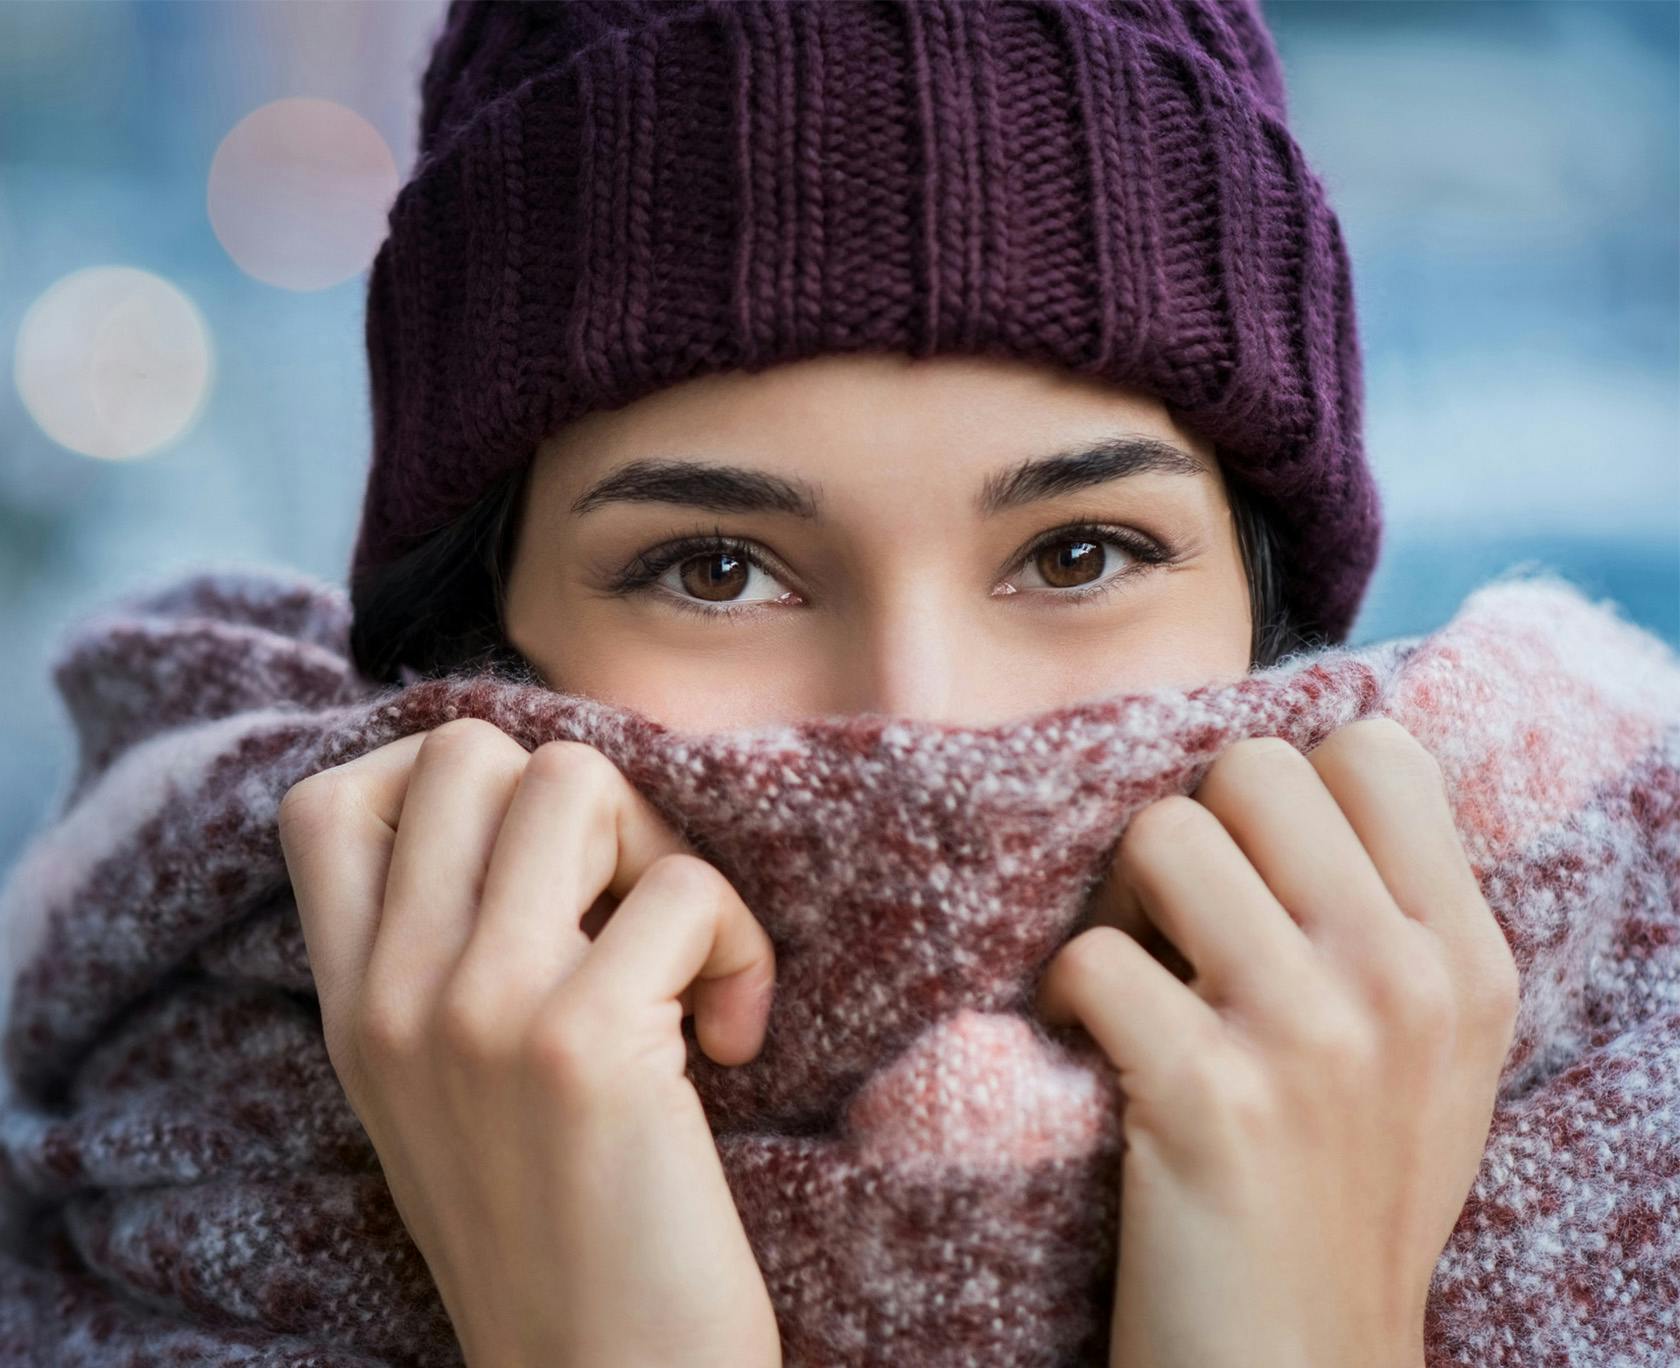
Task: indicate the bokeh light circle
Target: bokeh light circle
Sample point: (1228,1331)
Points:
(113,362)
(299,191)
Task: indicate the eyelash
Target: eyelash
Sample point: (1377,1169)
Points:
(640,575)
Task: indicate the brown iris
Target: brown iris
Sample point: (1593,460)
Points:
(721,577)
(1068,563)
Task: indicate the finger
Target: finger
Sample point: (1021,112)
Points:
(337,828)
(684,923)
(1141,1017)
(1289,825)
(1114,903)
(1393,795)
(1192,881)
(576,833)
(464,777)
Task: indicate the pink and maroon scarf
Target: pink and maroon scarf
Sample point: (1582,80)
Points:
(927,1177)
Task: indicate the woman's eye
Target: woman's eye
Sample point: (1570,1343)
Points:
(712,576)
(1073,562)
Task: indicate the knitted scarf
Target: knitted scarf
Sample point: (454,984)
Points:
(927,1176)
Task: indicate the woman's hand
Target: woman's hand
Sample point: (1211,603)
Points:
(1305,1116)
(524,1086)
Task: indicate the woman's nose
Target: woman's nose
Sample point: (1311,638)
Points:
(916,664)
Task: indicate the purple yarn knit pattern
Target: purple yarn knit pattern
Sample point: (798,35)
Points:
(927,1174)
(615,195)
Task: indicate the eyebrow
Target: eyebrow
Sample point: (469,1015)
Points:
(736,489)
(720,488)
(1067,471)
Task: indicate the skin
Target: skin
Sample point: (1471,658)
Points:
(895,577)
(1309,1071)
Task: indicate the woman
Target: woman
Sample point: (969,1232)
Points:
(741,363)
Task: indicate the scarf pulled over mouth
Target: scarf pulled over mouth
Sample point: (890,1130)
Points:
(927,1174)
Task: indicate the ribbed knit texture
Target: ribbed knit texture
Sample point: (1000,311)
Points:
(614,195)
(928,1177)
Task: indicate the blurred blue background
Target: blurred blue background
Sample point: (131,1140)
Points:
(1506,171)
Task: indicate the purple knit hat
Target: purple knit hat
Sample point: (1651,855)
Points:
(614,195)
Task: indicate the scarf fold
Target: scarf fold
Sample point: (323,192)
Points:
(927,1174)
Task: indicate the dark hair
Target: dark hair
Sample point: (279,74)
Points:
(1278,633)
(438,609)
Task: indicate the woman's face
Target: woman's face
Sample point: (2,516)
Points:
(956,539)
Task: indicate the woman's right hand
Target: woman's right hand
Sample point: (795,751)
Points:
(525,1086)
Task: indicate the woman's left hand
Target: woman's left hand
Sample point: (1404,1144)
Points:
(1304,1116)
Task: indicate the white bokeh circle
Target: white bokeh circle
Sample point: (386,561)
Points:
(299,190)
(113,361)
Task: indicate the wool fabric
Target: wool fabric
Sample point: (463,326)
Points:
(928,1174)
(615,195)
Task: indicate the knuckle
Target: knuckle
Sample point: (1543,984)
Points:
(1258,751)
(1239,762)
(1335,1038)
(383,1033)
(312,800)
(563,1046)
(1417,997)
(1378,730)
(1204,1080)
(1226,1095)
(1084,962)
(1251,1104)
(466,1024)
(1162,822)
(573,764)
(688,880)
(1387,743)
(463,735)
